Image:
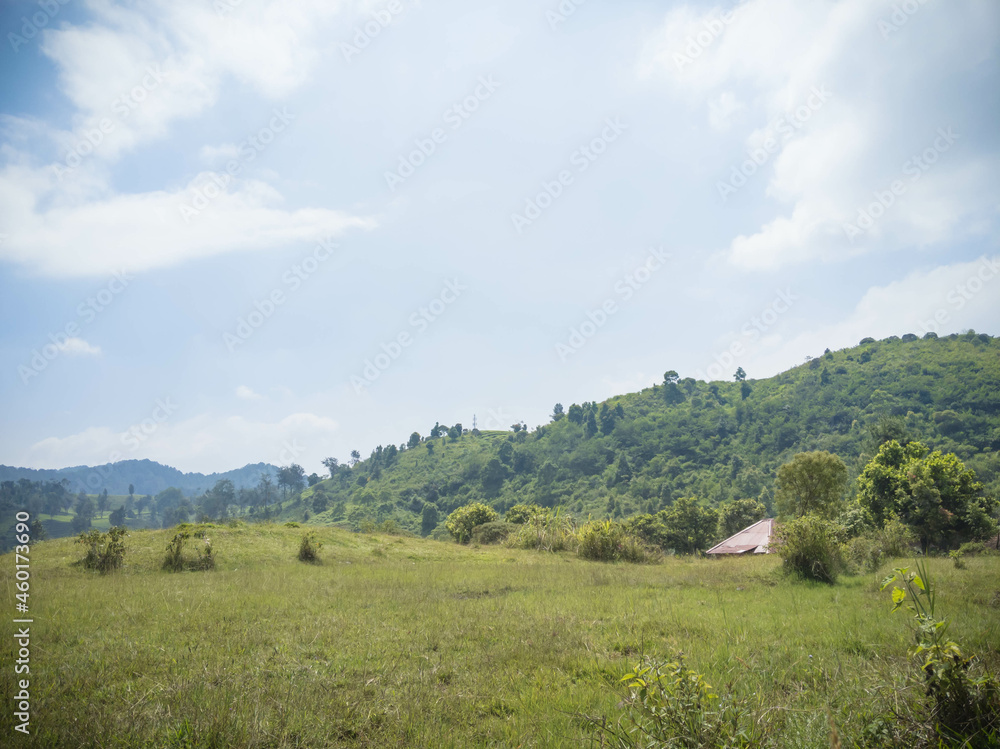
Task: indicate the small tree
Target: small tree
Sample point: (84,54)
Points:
(690,527)
(493,476)
(461,522)
(735,516)
(575,413)
(331,464)
(428,518)
(812,483)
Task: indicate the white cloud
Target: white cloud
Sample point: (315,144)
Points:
(130,73)
(247,393)
(61,234)
(78,346)
(943,300)
(214,154)
(192,48)
(204,443)
(890,96)
(722,109)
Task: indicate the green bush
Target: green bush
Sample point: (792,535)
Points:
(309,548)
(972,548)
(896,538)
(105,551)
(461,522)
(865,553)
(811,548)
(610,541)
(521,514)
(492,533)
(668,704)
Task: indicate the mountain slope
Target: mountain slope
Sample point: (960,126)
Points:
(714,441)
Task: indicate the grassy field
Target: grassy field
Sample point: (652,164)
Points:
(398,641)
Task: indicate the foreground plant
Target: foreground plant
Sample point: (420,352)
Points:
(668,705)
(966,710)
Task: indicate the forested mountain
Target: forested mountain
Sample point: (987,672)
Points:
(713,441)
(146,476)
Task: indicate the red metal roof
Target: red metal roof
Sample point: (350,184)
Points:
(752,539)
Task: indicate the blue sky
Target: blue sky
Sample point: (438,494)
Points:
(278,231)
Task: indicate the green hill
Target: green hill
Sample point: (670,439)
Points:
(715,441)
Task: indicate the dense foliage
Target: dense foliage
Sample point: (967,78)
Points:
(638,454)
(934,494)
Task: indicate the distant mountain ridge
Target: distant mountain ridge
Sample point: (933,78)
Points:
(147,476)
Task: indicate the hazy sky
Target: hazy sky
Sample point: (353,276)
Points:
(277,231)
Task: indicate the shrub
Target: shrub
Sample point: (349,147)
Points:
(610,541)
(492,533)
(810,548)
(174,560)
(309,548)
(205,559)
(521,514)
(461,522)
(105,551)
(668,704)
(956,557)
(896,538)
(864,553)
(972,548)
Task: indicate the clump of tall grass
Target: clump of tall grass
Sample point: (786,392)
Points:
(611,541)
(545,530)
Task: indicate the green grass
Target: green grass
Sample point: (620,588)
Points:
(398,641)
